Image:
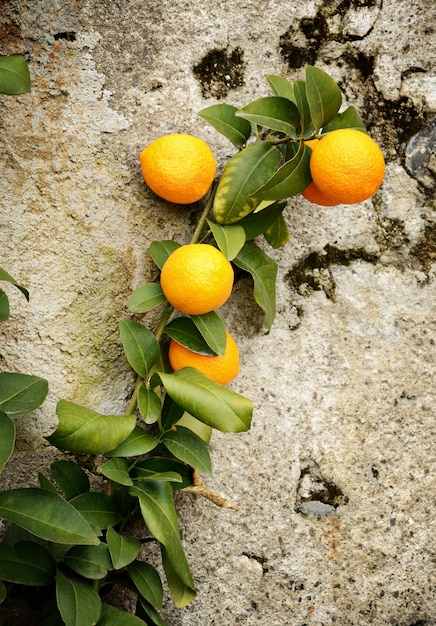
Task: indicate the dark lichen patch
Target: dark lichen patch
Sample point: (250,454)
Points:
(220,71)
(313,273)
(67,36)
(425,249)
(315,494)
(300,45)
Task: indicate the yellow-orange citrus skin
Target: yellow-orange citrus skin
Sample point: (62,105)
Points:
(314,195)
(222,368)
(197,278)
(347,166)
(179,168)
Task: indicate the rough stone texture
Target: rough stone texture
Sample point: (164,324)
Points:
(335,480)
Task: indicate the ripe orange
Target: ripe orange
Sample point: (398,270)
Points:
(347,166)
(197,278)
(222,368)
(179,168)
(314,195)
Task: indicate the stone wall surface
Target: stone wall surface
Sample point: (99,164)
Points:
(334,483)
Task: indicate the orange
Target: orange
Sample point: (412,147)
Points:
(314,195)
(197,278)
(347,166)
(222,368)
(179,168)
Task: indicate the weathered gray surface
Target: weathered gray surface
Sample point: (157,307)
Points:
(335,481)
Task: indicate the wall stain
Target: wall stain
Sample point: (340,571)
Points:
(219,71)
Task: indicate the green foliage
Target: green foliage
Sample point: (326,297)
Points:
(14,75)
(71,534)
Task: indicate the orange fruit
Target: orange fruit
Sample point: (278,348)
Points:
(222,368)
(197,278)
(179,168)
(314,195)
(347,166)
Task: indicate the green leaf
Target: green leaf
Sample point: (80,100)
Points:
(323,96)
(185,445)
(46,515)
(264,271)
(111,616)
(78,603)
(7,439)
(14,75)
(137,443)
(161,250)
(306,125)
(149,613)
(258,222)
(117,469)
(70,477)
(273,112)
(199,428)
(84,431)
(243,174)
(289,180)
(281,86)
(146,298)
(21,394)
(123,549)
(349,118)
(229,239)
(277,235)
(27,563)
(140,346)
(149,405)
(45,483)
(4,306)
(3,273)
(208,401)
(213,331)
(147,581)
(3,592)
(167,477)
(222,118)
(184,331)
(171,412)
(163,466)
(97,508)
(91,562)
(181,593)
(157,508)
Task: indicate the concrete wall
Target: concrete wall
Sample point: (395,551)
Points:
(335,480)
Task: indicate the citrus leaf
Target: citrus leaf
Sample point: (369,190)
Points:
(140,346)
(289,180)
(97,508)
(213,331)
(84,431)
(167,477)
(222,118)
(161,250)
(117,469)
(146,298)
(147,581)
(188,447)
(91,562)
(185,332)
(45,483)
(14,75)
(46,515)
(7,439)
(244,173)
(8,278)
(264,271)
(148,612)
(261,219)
(123,549)
(159,513)
(181,593)
(229,239)
(171,412)
(162,466)
(27,563)
(349,118)
(21,394)
(70,477)
(138,442)
(149,405)
(4,306)
(111,616)
(277,235)
(323,96)
(199,428)
(78,603)
(306,125)
(208,401)
(272,112)
(281,87)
